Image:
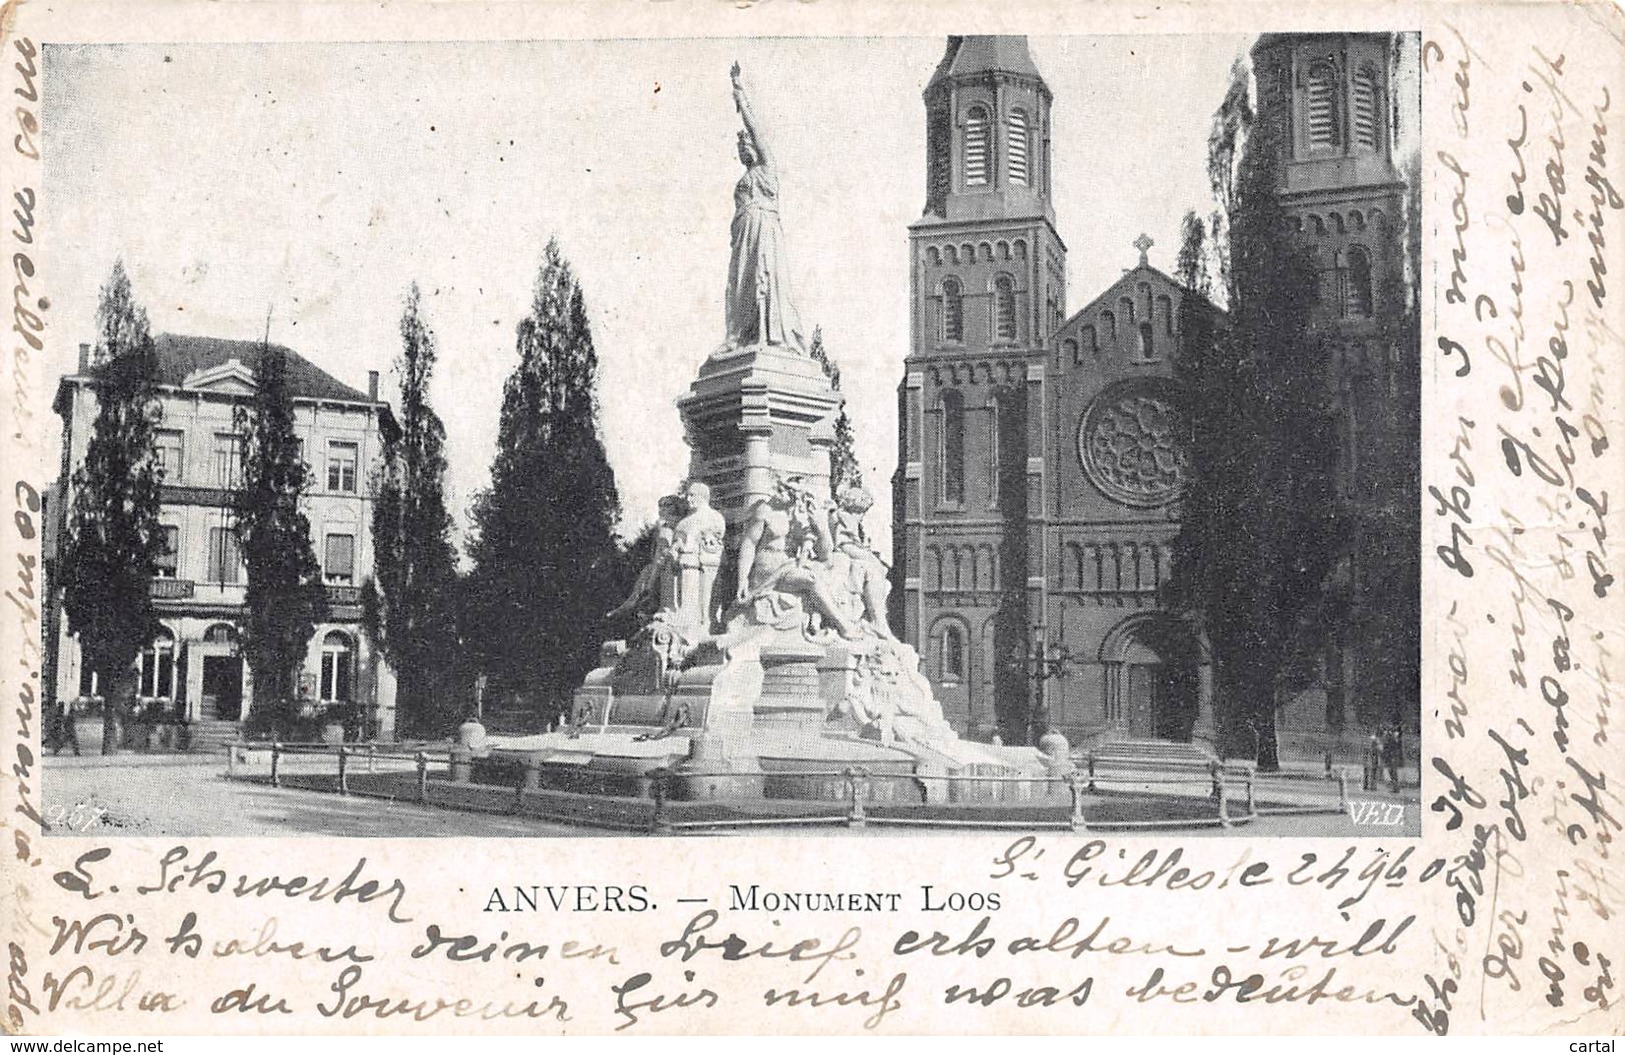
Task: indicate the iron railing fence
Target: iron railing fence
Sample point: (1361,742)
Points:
(1232,798)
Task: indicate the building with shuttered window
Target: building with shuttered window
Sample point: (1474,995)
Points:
(192,669)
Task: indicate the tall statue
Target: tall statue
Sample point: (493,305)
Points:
(760,310)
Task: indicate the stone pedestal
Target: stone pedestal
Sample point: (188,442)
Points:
(755,411)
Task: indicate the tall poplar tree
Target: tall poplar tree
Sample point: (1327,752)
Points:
(546,562)
(111,550)
(1258,532)
(411,608)
(285,597)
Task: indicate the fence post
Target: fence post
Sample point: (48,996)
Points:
(423,776)
(855,787)
(1342,791)
(1214,769)
(1075,786)
(1091,758)
(344,776)
(1223,792)
(660,823)
(276,757)
(1252,802)
(231,761)
(372,761)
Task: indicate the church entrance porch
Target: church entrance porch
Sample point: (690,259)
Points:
(1155,685)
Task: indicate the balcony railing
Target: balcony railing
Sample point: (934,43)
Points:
(172,589)
(343,594)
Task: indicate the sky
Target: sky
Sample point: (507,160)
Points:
(311,184)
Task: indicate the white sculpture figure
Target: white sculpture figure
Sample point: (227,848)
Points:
(784,553)
(653,588)
(697,542)
(759,306)
(859,566)
(888,691)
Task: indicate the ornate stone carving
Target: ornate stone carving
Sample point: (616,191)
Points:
(1131,442)
(887,692)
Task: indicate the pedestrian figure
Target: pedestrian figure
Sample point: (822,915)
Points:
(1373,762)
(1393,756)
(63,732)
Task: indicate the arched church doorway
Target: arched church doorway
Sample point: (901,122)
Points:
(1153,682)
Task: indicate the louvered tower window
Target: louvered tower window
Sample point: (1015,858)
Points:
(1324,120)
(1016,126)
(977,157)
(1367,113)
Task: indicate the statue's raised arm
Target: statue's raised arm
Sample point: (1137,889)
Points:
(753,125)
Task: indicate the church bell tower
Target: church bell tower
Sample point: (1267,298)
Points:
(987,289)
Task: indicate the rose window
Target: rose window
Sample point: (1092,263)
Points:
(1132,446)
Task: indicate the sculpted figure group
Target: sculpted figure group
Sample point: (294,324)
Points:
(801,558)
(801,561)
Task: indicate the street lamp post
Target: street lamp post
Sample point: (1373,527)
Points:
(1042,661)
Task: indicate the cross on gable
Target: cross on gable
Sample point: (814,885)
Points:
(1144,244)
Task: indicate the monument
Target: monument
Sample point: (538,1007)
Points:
(764,647)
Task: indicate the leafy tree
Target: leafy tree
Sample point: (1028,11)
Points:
(285,597)
(111,550)
(546,561)
(843,457)
(411,607)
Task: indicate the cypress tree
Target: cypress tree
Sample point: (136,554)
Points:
(545,556)
(1258,532)
(112,545)
(411,606)
(285,597)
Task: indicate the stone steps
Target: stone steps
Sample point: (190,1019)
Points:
(214,734)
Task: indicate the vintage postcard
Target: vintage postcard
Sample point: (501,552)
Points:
(637,519)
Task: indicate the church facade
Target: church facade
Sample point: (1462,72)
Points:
(1041,453)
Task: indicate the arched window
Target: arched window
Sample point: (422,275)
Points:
(1148,349)
(1016,134)
(338,668)
(977,157)
(1004,308)
(1091,343)
(1367,123)
(953,653)
(953,447)
(1069,349)
(953,311)
(158,668)
(1323,116)
(220,634)
(1108,320)
(1359,283)
(1165,305)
